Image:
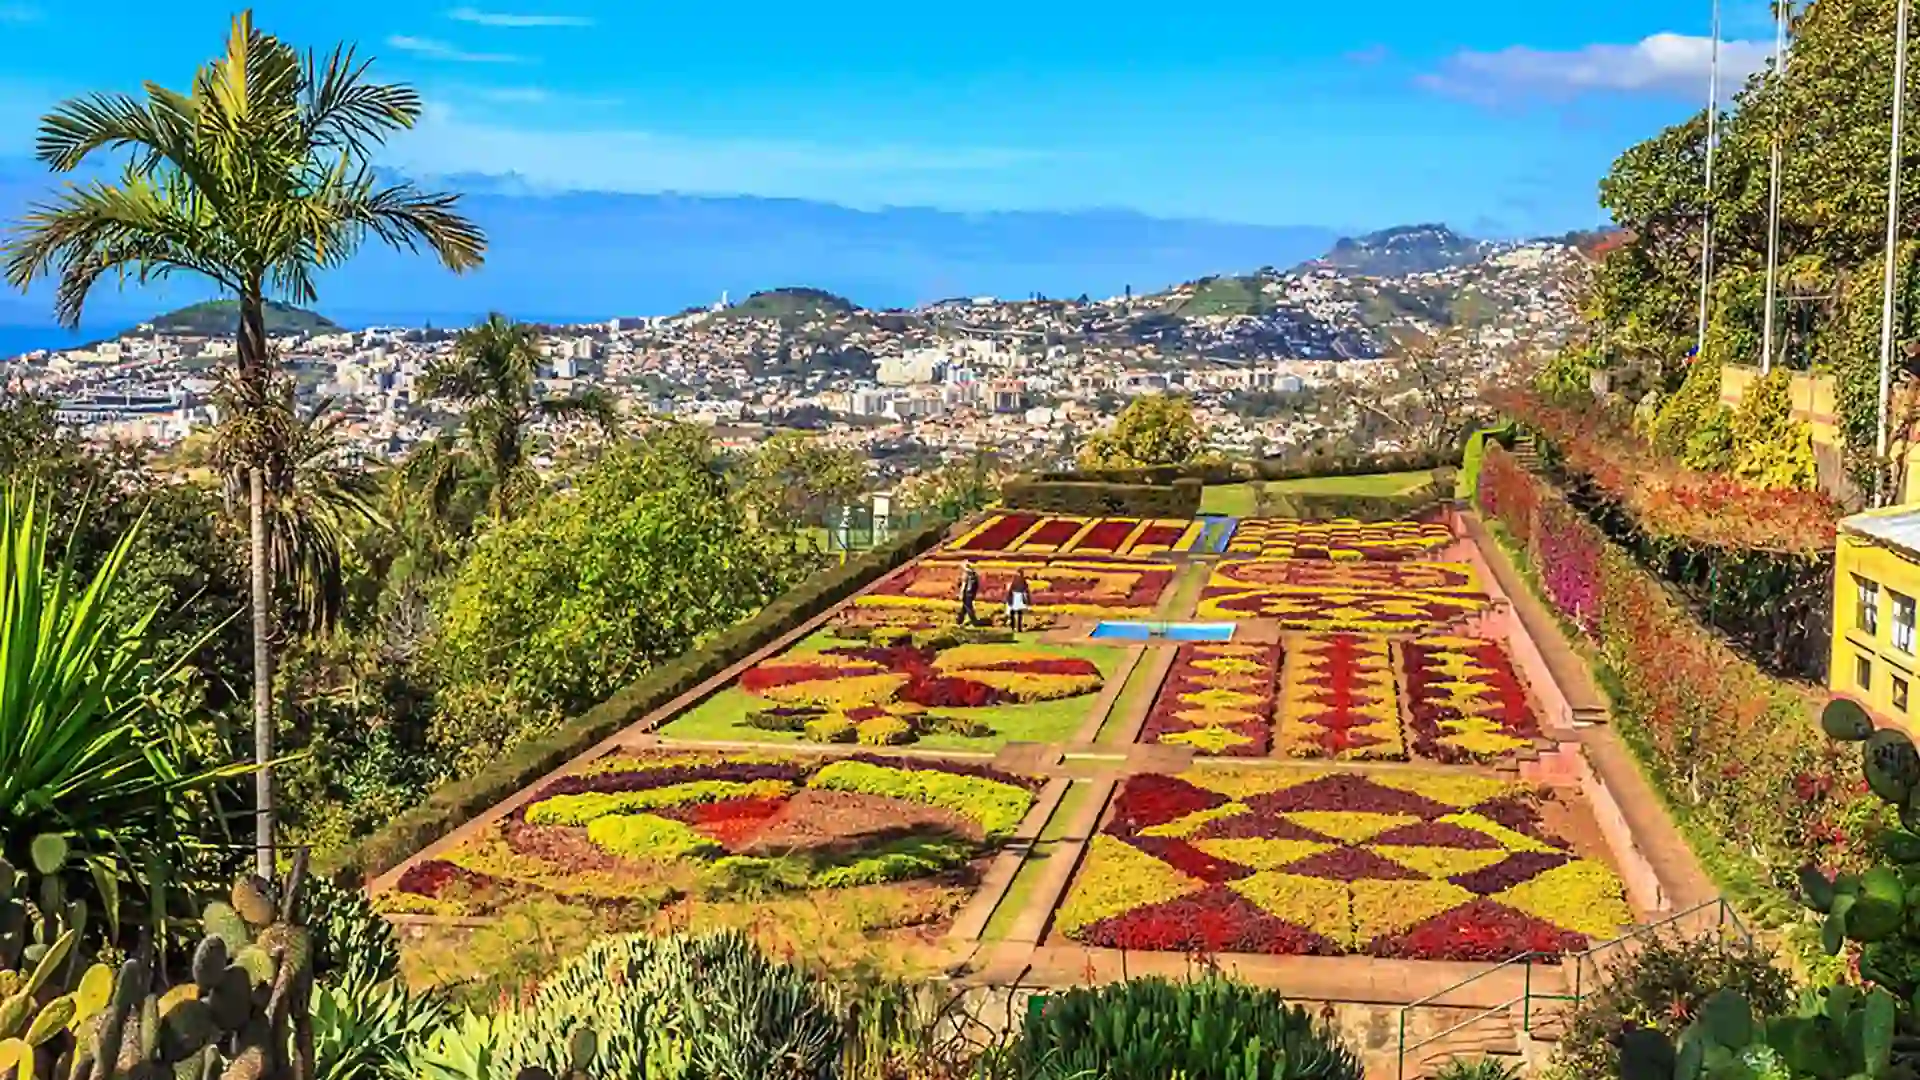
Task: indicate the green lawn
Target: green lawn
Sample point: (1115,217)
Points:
(1237,500)
(1123,706)
(1019,893)
(722,716)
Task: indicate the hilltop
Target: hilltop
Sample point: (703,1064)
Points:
(1405,249)
(792,302)
(221,318)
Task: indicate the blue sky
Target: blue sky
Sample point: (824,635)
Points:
(1495,116)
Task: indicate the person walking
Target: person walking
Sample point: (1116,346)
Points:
(1019,599)
(969,590)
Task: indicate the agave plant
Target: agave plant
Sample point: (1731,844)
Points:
(84,754)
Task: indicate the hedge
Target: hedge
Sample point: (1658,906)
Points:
(1328,506)
(1467,481)
(1093,498)
(459,801)
(1735,749)
(1317,463)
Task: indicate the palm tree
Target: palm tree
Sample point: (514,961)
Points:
(318,495)
(491,374)
(256,179)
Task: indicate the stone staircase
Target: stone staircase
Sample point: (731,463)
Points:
(1527,453)
(1505,1036)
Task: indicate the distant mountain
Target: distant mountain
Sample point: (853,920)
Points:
(1406,249)
(221,318)
(794,302)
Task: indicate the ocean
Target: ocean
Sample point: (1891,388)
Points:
(15,340)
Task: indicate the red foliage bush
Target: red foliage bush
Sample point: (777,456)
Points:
(1482,931)
(1160,536)
(1187,859)
(947,692)
(434,876)
(1508,872)
(1347,791)
(1151,799)
(997,536)
(1186,678)
(1217,920)
(647,779)
(763,677)
(1054,533)
(1351,864)
(1106,536)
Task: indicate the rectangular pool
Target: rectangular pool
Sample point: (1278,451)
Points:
(1147,631)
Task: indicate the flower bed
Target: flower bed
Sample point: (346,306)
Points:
(1294,860)
(1036,534)
(1000,532)
(644,827)
(894,688)
(1451,578)
(1339,700)
(1061,585)
(1465,701)
(1344,541)
(1217,699)
(1358,598)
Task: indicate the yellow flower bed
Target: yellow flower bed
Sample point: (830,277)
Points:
(649,838)
(1115,877)
(847,693)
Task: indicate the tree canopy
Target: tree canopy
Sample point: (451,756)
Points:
(1154,429)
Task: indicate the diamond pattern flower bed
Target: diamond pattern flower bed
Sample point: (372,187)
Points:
(1345,541)
(648,827)
(1061,585)
(1036,534)
(1217,699)
(1465,700)
(1296,860)
(1339,700)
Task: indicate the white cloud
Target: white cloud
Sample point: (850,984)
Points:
(440,50)
(539,95)
(514,21)
(449,141)
(1668,64)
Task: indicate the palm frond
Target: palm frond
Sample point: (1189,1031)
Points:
(404,216)
(593,405)
(345,113)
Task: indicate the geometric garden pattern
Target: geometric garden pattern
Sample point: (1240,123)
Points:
(1307,861)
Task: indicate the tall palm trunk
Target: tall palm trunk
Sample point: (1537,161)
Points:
(252,356)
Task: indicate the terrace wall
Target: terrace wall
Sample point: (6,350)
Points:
(460,801)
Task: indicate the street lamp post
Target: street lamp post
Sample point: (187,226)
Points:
(1706,213)
(1893,238)
(1773,184)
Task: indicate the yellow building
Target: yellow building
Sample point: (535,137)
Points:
(1876,580)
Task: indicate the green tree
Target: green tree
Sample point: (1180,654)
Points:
(646,556)
(1154,429)
(794,479)
(256,179)
(492,375)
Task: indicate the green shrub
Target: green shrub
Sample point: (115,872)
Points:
(884,730)
(1092,498)
(649,837)
(353,945)
(1711,446)
(997,807)
(454,804)
(1154,1029)
(1480,1068)
(1662,986)
(585,807)
(898,860)
(1328,506)
(773,720)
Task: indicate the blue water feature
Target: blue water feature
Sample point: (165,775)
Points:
(1147,631)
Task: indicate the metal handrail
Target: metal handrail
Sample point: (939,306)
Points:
(1578,961)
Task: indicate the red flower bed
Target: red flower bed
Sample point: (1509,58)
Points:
(1214,921)
(736,822)
(1439,834)
(1185,679)
(1153,799)
(1508,872)
(1482,931)
(1106,536)
(435,876)
(1520,815)
(947,692)
(1003,531)
(1341,702)
(1347,791)
(1157,535)
(1503,701)
(1053,533)
(1184,857)
(765,677)
(1352,864)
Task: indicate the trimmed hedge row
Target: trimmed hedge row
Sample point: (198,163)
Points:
(1323,506)
(1094,498)
(460,801)
(1317,463)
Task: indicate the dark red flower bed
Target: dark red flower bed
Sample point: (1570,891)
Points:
(735,822)
(1106,536)
(1184,678)
(997,536)
(1508,872)
(947,692)
(1152,799)
(435,876)
(1347,791)
(1258,826)
(1438,834)
(1052,665)
(1429,705)
(1351,864)
(1521,815)
(1160,536)
(1217,920)
(647,779)
(1190,860)
(1054,533)
(1482,931)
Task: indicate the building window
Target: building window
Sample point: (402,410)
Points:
(1867,600)
(1899,694)
(1863,672)
(1903,612)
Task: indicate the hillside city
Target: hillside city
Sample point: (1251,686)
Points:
(1022,379)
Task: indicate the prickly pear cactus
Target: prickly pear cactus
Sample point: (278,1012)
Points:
(242,1015)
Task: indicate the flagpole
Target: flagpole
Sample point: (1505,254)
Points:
(1706,214)
(1893,238)
(1773,184)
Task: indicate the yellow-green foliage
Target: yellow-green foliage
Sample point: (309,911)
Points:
(645,836)
(1710,447)
(997,807)
(1692,404)
(583,808)
(1770,448)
